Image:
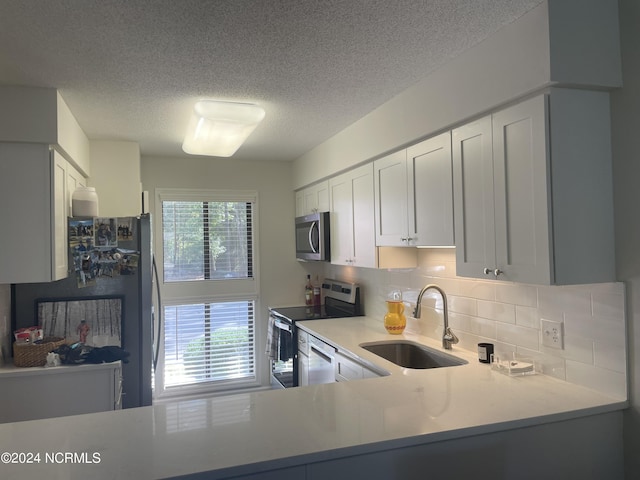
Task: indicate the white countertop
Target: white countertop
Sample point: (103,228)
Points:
(248,432)
(10,370)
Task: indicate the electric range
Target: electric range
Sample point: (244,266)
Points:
(341,299)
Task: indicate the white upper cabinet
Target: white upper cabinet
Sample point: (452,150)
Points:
(533,192)
(391,200)
(414,195)
(312,199)
(33,181)
(430,189)
(74,180)
(352,218)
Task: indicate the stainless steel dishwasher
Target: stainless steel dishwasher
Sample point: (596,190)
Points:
(322,358)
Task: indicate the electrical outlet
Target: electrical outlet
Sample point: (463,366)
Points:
(552,334)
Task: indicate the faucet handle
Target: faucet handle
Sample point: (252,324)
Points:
(449,338)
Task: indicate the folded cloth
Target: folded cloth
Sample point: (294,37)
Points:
(273,340)
(286,346)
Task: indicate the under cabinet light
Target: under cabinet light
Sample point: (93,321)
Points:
(219,128)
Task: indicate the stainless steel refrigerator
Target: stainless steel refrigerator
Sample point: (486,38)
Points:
(110,259)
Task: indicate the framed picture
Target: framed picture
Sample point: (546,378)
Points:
(96,322)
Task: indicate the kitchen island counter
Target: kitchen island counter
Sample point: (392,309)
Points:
(315,431)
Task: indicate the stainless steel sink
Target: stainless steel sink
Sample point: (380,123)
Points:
(412,355)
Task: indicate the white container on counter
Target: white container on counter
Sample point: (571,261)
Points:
(84,202)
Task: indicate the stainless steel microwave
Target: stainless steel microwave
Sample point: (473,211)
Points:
(313,237)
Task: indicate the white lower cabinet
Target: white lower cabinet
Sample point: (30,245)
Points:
(41,392)
(348,369)
(533,192)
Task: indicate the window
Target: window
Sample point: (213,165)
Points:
(206,240)
(209,290)
(208,342)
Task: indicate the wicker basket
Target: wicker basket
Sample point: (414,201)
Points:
(35,354)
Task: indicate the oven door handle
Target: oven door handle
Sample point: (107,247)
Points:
(282,325)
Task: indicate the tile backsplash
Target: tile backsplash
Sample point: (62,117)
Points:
(509,314)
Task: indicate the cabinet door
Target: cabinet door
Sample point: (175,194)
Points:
(352,218)
(522,214)
(322,196)
(341,220)
(310,200)
(430,182)
(59,206)
(74,180)
(473,198)
(26,192)
(347,369)
(313,199)
(364,238)
(390,183)
(299,199)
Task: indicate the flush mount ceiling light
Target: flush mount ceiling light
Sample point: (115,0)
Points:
(219,128)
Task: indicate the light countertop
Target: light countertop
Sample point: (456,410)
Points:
(244,433)
(9,370)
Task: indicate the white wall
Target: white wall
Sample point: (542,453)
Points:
(544,47)
(115,174)
(281,276)
(625,105)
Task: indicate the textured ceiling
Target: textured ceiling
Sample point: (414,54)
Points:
(132,69)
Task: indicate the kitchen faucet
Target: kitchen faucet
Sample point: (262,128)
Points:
(448,337)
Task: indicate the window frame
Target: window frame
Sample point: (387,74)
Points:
(175,293)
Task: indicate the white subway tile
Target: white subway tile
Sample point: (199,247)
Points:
(549,364)
(578,349)
(465,305)
(477,289)
(610,356)
(501,312)
(603,329)
(607,304)
(527,317)
(553,302)
(600,379)
(477,326)
(517,294)
(617,288)
(521,336)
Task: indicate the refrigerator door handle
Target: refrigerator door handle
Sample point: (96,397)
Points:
(157,314)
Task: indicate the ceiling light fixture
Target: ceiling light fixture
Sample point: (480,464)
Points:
(219,128)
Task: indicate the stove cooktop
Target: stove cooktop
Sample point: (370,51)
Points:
(296,314)
(341,299)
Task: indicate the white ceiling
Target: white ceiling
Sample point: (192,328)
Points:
(132,69)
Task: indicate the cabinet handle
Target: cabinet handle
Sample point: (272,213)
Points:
(487,271)
(497,272)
